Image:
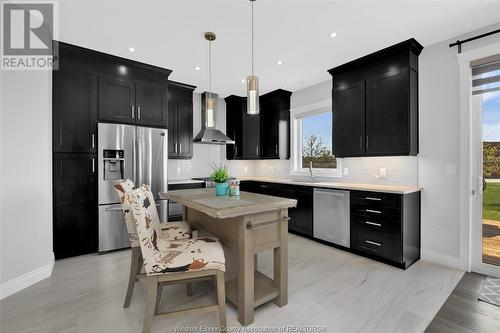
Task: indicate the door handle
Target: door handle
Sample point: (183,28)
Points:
(134,160)
(484,184)
(133,111)
(92,139)
(138,112)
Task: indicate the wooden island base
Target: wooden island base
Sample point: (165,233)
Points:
(248,235)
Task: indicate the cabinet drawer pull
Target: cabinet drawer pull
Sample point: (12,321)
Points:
(361,142)
(373,211)
(276,149)
(373,243)
(175,147)
(93,141)
(235,150)
(180,148)
(374,199)
(138,112)
(93,165)
(373,223)
(367,142)
(133,111)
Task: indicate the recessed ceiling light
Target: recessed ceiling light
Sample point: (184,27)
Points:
(279,62)
(333,34)
(243,80)
(131,49)
(197,68)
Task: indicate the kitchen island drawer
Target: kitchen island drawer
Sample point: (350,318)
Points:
(382,244)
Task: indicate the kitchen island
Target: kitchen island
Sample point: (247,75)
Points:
(247,225)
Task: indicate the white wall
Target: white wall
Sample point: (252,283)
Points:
(440,146)
(26,179)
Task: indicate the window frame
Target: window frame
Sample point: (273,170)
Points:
(296,116)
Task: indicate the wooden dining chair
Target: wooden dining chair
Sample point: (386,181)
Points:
(168,262)
(169,231)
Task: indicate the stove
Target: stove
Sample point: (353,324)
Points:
(208,182)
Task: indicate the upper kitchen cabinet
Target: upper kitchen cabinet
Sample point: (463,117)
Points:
(235,108)
(180,119)
(126,92)
(375,103)
(275,124)
(262,136)
(74,112)
(243,128)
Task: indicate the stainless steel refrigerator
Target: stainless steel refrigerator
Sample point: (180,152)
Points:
(133,152)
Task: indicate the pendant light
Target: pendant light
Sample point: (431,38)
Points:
(252,84)
(209,101)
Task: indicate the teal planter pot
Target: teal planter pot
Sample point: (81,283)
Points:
(221,188)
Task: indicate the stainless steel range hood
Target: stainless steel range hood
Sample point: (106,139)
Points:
(209,134)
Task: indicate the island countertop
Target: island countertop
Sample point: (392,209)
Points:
(205,201)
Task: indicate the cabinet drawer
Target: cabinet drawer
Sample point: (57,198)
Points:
(376,200)
(377,223)
(392,214)
(382,244)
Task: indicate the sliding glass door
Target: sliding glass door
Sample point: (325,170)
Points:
(486,106)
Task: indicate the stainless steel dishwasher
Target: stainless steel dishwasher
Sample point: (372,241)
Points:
(331,216)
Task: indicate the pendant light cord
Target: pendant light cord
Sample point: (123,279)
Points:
(252,37)
(210,69)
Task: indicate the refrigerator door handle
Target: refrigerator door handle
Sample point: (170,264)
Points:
(134,160)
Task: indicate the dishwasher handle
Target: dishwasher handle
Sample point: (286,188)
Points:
(332,193)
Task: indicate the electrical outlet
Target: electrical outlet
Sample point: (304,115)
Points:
(451,168)
(345,171)
(382,173)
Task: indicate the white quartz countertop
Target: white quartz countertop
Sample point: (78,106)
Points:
(397,189)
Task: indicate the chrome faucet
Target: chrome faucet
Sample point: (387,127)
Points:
(311,176)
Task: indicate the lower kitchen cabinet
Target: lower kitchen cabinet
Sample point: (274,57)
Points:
(383,226)
(301,217)
(75,204)
(386,226)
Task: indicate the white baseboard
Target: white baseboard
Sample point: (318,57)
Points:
(441,259)
(19,283)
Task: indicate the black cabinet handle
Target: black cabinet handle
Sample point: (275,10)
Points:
(373,223)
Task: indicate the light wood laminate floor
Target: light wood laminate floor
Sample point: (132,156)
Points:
(463,313)
(329,287)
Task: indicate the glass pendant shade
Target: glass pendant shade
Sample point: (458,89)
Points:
(253,95)
(210,106)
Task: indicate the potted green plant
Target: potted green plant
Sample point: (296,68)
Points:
(220,176)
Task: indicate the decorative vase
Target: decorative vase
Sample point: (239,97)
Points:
(221,189)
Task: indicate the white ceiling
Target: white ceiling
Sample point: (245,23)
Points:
(170,34)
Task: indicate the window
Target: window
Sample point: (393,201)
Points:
(312,143)
(317,141)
